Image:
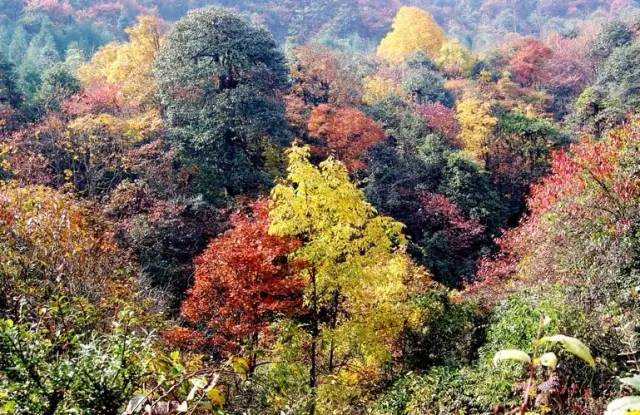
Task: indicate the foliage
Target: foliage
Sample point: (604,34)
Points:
(127,65)
(46,372)
(356,271)
(319,76)
(345,133)
(476,124)
(135,134)
(454,58)
(220,100)
(414,30)
(53,247)
(423,84)
(242,281)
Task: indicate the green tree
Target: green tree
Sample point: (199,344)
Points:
(58,84)
(9,94)
(19,44)
(219,82)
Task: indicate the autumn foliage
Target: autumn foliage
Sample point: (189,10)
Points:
(414,30)
(243,280)
(346,133)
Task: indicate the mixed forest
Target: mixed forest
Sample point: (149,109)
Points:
(320,207)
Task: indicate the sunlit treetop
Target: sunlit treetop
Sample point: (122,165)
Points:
(414,30)
(128,64)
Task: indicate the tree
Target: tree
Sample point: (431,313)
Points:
(454,58)
(321,76)
(423,83)
(355,275)
(613,35)
(528,61)
(441,119)
(58,85)
(219,82)
(243,281)
(127,65)
(414,30)
(377,88)
(518,155)
(432,190)
(476,125)
(345,132)
(54,250)
(9,94)
(19,44)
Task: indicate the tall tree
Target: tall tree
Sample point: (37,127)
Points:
(414,30)
(355,275)
(220,82)
(243,281)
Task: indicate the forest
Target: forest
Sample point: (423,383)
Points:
(329,207)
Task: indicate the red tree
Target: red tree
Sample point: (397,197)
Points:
(243,280)
(442,119)
(345,132)
(591,191)
(528,61)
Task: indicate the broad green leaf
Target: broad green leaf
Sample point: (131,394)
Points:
(634,382)
(573,346)
(549,360)
(629,405)
(518,355)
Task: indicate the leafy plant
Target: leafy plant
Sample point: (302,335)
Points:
(628,405)
(538,360)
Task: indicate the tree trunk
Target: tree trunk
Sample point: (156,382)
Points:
(313,374)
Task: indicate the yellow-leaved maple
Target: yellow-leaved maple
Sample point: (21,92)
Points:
(476,124)
(414,30)
(128,64)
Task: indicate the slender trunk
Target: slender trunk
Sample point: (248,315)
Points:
(531,382)
(253,357)
(313,375)
(334,323)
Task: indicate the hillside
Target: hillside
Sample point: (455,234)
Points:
(328,207)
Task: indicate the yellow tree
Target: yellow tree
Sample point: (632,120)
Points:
(414,30)
(453,57)
(128,64)
(377,88)
(356,276)
(476,125)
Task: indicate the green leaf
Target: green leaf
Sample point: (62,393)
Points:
(573,346)
(549,360)
(511,354)
(629,405)
(634,382)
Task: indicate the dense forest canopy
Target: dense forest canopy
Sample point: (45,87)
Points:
(334,207)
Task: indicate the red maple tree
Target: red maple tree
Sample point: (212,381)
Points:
(243,280)
(346,133)
(528,62)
